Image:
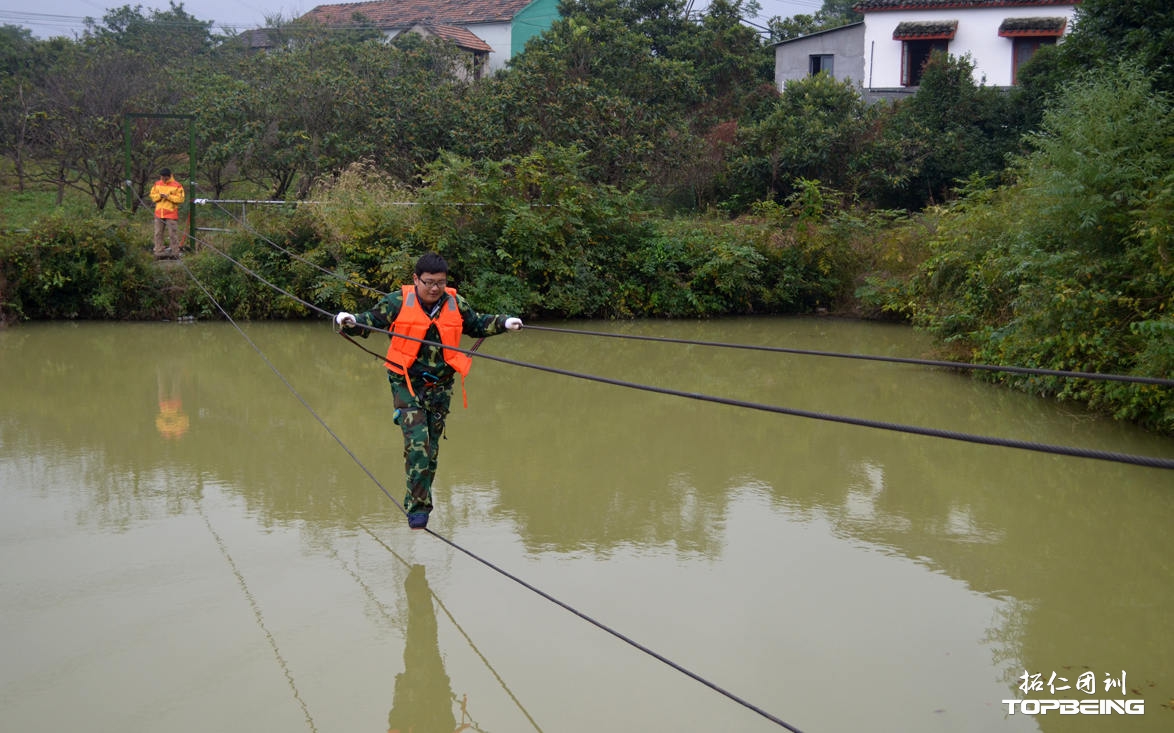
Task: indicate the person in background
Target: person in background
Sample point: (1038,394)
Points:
(422,375)
(167,193)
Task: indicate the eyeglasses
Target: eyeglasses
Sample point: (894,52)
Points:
(432,283)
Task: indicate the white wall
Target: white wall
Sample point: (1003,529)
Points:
(497,35)
(978,35)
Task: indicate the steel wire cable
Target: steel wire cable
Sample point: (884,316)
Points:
(452,619)
(962,366)
(871,357)
(258,616)
(1147,461)
(241,222)
(1113,456)
(1063,450)
(398,622)
(469,553)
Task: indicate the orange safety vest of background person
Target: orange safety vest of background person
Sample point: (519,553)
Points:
(172,422)
(171,192)
(412,321)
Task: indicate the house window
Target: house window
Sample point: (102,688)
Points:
(918,41)
(1022,51)
(913,58)
(1027,35)
(822,62)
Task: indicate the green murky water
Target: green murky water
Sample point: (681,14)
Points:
(185,547)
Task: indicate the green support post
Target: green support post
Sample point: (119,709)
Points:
(126,118)
(190,198)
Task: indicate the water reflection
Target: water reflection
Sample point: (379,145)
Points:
(423,691)
(172,422)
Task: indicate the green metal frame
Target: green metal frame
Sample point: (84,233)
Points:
(126,118)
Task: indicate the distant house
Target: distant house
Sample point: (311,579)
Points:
(463,39)
(896,38)
(839,52)
(258,39)
(491,31)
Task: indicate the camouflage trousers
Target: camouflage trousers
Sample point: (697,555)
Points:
(421,418)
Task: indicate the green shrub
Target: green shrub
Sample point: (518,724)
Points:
(532,229)
(1069,267)
(65,267)
(689,269)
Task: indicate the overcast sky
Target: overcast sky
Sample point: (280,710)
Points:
(46,18)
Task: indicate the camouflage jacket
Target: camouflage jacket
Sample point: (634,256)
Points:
(430,358)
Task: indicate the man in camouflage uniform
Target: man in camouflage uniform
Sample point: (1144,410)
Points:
(422,375)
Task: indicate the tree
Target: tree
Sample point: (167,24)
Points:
(359,99)
(1104,33)
(126,63)
(812,133)
(1109,32)
(661,22)
(1068,266)
(955,128)
(636,83)
(160,53)
(80,132)
(224,126)
(593,83)
(544,238)
(417,109)
(833,14)
(734,70)
(20,77)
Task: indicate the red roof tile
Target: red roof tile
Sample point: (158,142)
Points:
(459,36)
(403,13)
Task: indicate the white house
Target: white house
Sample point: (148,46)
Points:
(899,35)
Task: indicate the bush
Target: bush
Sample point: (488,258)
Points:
(532,231)
(688,270)
(1069,267)
(814,132)
(65,267)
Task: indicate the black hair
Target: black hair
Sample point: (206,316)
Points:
(431,262)
(165,173)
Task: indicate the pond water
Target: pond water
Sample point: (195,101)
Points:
(200,531)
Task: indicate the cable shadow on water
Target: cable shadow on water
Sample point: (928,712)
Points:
(452,619)
(1078,452)
(423,697)
(257,615)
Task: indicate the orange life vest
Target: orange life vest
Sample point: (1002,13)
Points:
(413,322)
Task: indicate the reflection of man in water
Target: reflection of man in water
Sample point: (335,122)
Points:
(423,692)
(171,422)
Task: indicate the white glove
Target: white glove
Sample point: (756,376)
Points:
(344,320)
(513,324)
